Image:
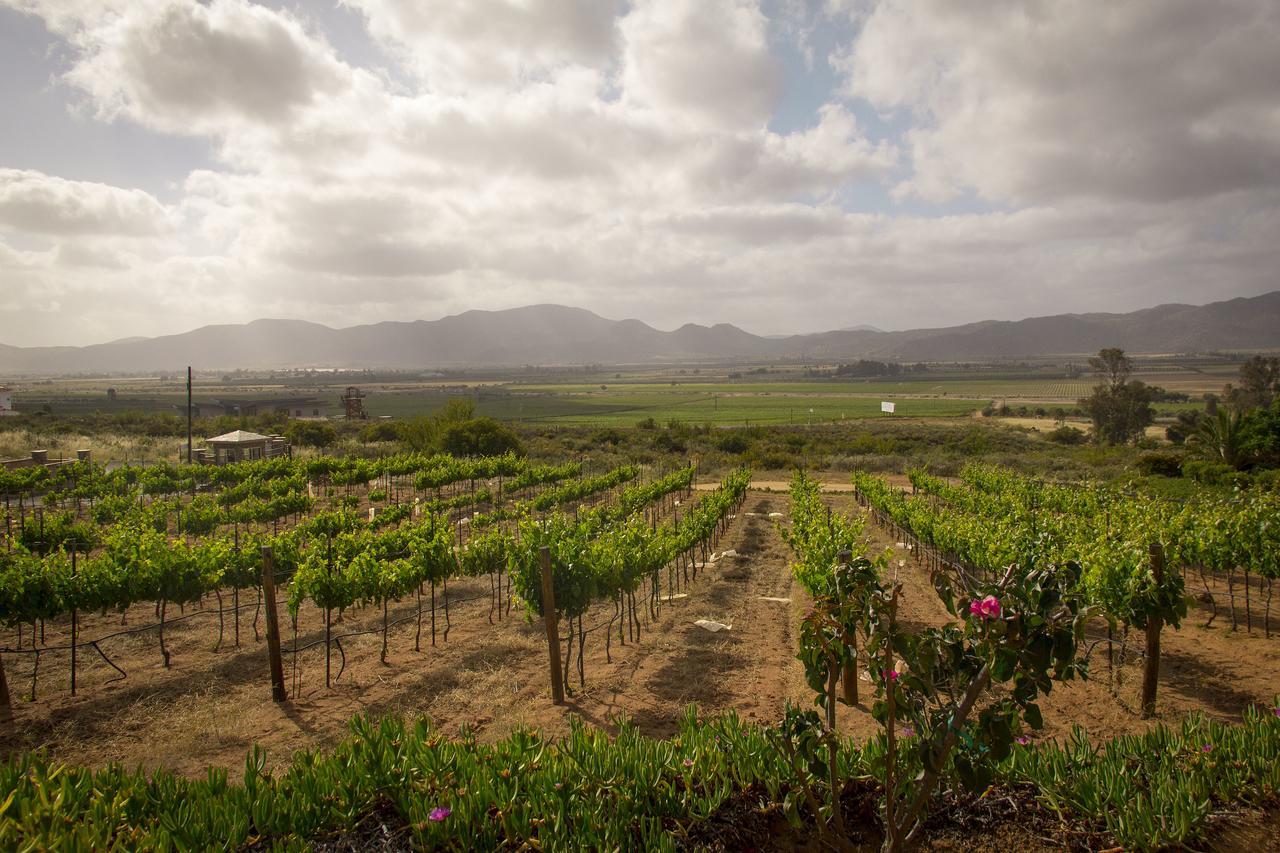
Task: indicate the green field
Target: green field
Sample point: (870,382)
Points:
(716,395)
(628,407)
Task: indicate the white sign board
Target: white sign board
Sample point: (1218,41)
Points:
(887,407)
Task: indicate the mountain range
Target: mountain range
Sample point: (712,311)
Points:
(555,334)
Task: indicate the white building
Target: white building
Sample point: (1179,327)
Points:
(6,402)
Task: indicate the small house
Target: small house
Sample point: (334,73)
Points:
(6,402)
(243,446)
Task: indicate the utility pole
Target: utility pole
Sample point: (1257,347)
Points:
(188,414)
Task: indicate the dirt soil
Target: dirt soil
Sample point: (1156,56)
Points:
(211,706)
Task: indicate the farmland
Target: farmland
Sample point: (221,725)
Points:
(397,599)
(729,396)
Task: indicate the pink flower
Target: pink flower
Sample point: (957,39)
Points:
(1022,740)
(890,675)
(1208,747)
(987,608)
(688,762)
(1278,710)
(907,731)
(439,813)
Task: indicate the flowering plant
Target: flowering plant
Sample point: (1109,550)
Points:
(1022,631)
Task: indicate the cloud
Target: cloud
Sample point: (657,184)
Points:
(460,45)
(183,67)
(1036,101)
(705,62)
(43,204)
(629,157)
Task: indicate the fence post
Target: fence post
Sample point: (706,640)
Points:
(6,707)
(273,625)
(849,673)
(553,630)
(1151,666)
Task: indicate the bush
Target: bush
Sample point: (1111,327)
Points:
(733,443)
(311,434)
(1162,463)
(1213,473)
(612,437)
(1068,435)
(668,442)
(480,437)
(380,431)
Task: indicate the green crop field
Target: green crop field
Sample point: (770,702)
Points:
(628,407)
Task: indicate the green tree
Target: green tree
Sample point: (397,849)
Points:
(311,434)
(1261,430)
(479,437)
(1119,407)
(1259,384)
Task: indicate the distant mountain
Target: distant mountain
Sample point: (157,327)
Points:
(554,334)
(862,328)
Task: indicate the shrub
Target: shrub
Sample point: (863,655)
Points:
(1068,435)
(380,431)
(479,437)
(1162,463)
(311,434)
(733,443)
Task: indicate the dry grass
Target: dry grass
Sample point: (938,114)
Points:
(106,447)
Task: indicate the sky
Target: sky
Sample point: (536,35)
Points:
(782,165)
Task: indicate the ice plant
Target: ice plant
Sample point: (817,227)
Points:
(439,813)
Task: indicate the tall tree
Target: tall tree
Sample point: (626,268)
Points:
(1259,383)
(1113,366)
(1119,407)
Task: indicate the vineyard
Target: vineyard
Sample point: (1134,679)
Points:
(338,539)
(462,591)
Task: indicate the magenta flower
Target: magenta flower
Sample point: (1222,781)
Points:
(1208,747)
(890,675)
(1022,740)
(439,813)
(907,731)
(688,762)
(987,608)
(1277,709)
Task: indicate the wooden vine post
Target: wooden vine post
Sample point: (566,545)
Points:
(6,707)
(1151,667)
(553,630)
(273,625)
(849,674)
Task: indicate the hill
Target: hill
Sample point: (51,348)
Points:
(555,334)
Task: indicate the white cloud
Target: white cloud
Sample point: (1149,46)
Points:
(705,62)
(1038,101)
(43,204)
(182,67)
(459,45)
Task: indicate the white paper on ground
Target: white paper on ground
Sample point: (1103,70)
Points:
(713,627)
